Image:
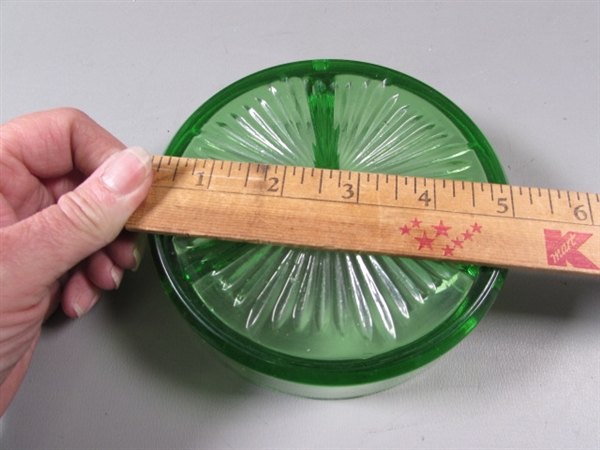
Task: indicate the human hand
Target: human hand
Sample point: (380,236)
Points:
(67,187)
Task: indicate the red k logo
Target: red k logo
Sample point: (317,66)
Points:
(562,249)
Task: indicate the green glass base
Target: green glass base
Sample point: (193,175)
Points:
(328,319)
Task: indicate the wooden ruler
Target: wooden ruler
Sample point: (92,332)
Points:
(482,223)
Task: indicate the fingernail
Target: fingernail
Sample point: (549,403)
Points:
(85,301)
(138,251)
(78,310)
(126,170)
(117,275)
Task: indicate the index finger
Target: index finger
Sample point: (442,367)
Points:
(55,142)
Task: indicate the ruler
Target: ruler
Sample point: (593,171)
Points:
(458,221)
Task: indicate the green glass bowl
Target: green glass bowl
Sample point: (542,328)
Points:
(330,324)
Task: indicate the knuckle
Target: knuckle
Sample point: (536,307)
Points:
(69,114)
(83,214)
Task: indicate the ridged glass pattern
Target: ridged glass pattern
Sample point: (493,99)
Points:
(324,305)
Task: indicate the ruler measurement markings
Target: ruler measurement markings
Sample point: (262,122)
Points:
(175,171)
(384,206)
(590,208)
(321,181)
(555,208)
(210,176)
(523,204)
(239,169)
(444,195)
(512,201)
(437,206)
(247,175)
(283,181)
(416,209)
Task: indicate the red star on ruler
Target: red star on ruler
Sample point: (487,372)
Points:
(448,251)
(457,242)
(405,229)
(468,235)
(476,228)
(424,241)
(416,223)
(441,229)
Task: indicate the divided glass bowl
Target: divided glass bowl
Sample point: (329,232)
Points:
(319,323)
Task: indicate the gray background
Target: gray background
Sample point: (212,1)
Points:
(132,375)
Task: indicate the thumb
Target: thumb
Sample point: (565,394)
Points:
(84,220)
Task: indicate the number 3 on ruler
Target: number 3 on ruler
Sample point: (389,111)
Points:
(349,191)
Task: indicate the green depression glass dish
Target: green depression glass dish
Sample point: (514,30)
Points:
(330,324)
